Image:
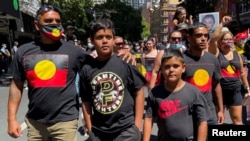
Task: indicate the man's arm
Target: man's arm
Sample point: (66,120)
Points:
(87,113)
(147,128)
(156,69)
(217,92)
(202,131)
(139,107)
(15,96)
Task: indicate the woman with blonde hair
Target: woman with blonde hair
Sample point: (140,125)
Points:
(233,74)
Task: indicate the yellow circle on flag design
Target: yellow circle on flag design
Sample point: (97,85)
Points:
(45,69)
(201,77)
(55,32)
(141,69)
(230,69)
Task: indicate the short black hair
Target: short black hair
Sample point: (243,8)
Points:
(170,53)
(99,24)
(45,8)
(195,26)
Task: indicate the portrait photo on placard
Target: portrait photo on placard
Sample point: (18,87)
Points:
(210,19)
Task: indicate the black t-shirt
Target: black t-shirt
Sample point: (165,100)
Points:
(71,38)
(177,113)
(230,70)
(50,71)
(110,86)
(201,72)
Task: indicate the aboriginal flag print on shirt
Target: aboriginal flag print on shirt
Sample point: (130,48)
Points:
(230,71)
(201,79)
(46,70)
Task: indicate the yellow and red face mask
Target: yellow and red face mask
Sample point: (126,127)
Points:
(53,31)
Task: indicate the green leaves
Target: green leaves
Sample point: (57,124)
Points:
(73,13)
(126,19)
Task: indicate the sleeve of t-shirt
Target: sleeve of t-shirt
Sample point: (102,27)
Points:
(85,88)
(200,106)
(3,50)
(82,57)
(217,72)
(17,68)
(149,106)
(84,85)
(135,80)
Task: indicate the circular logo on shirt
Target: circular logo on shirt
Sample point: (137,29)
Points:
(201,77)
(47,65)
(108,91)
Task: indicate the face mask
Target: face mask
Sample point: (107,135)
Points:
(231,45)
(183,43)
(137,47)
(175,46)
(53,31)
(90,45)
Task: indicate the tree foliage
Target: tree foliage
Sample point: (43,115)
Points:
(73,13)
(146,29)
(126,19)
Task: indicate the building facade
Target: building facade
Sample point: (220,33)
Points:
(161,15)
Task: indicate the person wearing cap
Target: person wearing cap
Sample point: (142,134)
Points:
(70,36)
(50,66)
(183,28)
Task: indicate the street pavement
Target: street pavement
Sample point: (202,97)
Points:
(4,88)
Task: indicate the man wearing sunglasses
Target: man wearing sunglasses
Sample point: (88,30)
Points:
(119,43)
(49,65)
(174,42)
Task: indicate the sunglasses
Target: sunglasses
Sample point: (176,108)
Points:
(176,38)
(46,8)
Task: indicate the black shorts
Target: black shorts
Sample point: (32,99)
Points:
(132,133)
(232,97)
